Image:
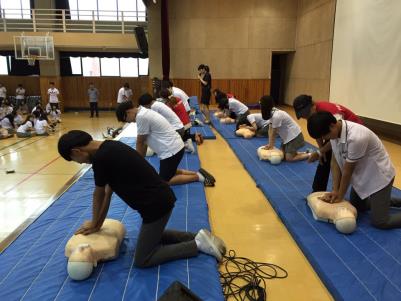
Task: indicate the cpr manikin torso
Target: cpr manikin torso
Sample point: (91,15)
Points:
(342,214)
(244,132)
(84,251)
(275,156)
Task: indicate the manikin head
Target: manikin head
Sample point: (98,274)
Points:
(81,262)
(344,220)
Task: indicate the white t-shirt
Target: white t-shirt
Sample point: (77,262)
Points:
(161,136)
(40,126)
(167,113)
(177,92)
(3,92)
(123,95)
(234,105)
(257,117)
(287,128)
(20,93)
(53,95)
(373,170)
(23,128)
(6,124)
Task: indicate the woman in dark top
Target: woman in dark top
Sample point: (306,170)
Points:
(119,168)
(206,85)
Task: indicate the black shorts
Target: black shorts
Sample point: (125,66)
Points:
(205,97)
(54,105)
(168,166)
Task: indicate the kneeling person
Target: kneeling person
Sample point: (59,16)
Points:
(154,130)
(119,168)
(361,160)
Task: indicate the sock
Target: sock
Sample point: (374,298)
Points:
(190,146)
(201,177)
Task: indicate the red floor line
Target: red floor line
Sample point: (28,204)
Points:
(31,175)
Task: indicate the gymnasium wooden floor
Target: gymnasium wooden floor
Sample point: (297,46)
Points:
(239,212)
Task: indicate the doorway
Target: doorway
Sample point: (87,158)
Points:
(278,70)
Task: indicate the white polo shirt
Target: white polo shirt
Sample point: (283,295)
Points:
(161,136)
(234,105)
(167,113)
(123,95)
(40,126)
(177,92)
(373,170)
(23,128)
(287,128)
(53,95)
(258,119)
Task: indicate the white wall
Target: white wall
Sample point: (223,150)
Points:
(366,61)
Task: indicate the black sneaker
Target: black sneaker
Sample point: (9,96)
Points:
(208,183)
(204,173)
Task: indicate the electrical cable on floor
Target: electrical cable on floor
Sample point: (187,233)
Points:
(244,279)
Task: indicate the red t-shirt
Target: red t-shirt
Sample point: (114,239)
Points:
(179,110)
(336,109)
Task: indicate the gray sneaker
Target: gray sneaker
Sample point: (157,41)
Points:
(206,245)
(210,244)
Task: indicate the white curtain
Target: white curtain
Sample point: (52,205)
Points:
(366,62)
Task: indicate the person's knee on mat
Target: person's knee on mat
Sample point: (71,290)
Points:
(382,223)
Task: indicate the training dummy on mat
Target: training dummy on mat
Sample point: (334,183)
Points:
(253,125)
(275,156)
(342,214)
(85,251)
(286,128)
(360,161)
(118,168)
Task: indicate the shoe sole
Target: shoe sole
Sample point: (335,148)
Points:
(209,240)
(206,174)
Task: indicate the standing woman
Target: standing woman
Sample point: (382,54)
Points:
(206,85)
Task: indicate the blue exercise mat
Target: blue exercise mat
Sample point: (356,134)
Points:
(363,266)
(225,130)
(33,267)
(205,130)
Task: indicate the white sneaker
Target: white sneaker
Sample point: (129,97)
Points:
(189,146)
(207,243)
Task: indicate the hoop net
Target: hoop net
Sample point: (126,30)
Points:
(31,60)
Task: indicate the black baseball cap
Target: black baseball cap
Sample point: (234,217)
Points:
(302,105)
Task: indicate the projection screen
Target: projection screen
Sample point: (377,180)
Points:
(366,61)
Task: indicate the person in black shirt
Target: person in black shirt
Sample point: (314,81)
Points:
(119,168)
(206,84)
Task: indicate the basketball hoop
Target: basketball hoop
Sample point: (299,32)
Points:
(31,60)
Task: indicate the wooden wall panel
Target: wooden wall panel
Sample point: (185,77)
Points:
(30,83)
(248,91)
(74,90)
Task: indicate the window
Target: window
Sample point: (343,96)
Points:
(129,67)
(76,65)
(16,9)
(123,67)
(143,66)
(110,66)
(3,65)
(90,66)
(110,10)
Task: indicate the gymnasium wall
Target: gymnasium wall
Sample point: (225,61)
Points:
(308,68)
(366,66)
(73,89)
(235,38)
